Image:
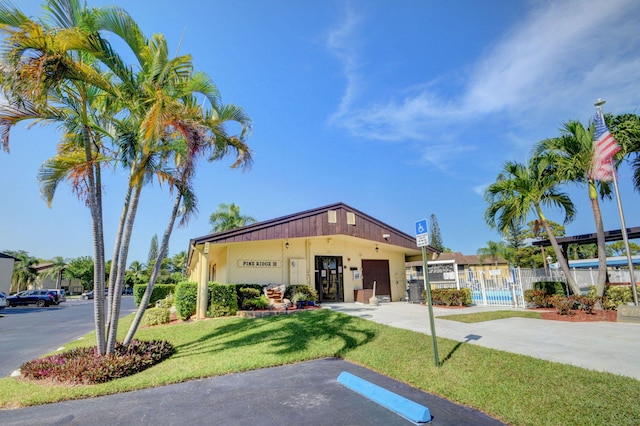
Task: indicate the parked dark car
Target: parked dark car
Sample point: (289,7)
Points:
(40,298)
(89,294)
(127,291)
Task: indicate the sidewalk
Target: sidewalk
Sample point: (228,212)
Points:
(602,346)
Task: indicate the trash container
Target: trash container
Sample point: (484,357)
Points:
(414,290)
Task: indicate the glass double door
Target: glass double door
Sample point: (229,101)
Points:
(329,284)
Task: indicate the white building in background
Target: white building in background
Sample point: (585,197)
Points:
(6,272)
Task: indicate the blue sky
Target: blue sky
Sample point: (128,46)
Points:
(400,109)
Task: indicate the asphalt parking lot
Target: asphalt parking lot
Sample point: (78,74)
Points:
(305,393)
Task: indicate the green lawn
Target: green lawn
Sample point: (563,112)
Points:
(513,388)
(491,315)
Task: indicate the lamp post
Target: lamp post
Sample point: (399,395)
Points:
(549,260)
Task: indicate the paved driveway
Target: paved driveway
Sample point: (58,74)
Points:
(601,346)
(28,332)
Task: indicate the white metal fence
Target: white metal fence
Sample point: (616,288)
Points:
(500,287)
(506,287)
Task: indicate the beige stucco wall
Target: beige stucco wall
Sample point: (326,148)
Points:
(6,272)
(238,262)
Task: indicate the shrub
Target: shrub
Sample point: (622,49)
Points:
(82,366)
(156,316)
(539,298)
(563,304)
(223,299)
(239,295)
(551,287)
(248,296)
(587,303)
(450,296)
(160,291)
(311,294)
(167,302)
(186,297)
(614,296)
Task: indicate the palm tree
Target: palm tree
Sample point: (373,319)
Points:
(201,136)
(524,189)
(626,129)
(228,217)
(50,73)
(493,250)
(24,271)
(571,157)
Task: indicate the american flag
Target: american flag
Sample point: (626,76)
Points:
(605,147)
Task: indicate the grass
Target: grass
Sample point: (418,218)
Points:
(491,315)
(514,388)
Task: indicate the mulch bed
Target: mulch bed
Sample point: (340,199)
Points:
(581,316)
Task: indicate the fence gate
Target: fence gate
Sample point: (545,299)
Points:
(494,288)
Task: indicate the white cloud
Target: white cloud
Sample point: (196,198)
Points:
(549,67)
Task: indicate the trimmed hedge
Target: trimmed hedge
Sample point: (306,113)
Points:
(186,297)
(450,296)
(242,299)
(223,299)
(156,316)
(160,291)
(551,287)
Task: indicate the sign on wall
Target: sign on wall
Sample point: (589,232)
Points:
(259,264)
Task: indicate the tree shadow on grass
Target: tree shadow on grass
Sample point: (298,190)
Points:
(285,335)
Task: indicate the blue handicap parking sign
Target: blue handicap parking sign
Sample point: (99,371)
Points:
(421,227)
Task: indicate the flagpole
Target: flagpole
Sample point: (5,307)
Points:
(623,226)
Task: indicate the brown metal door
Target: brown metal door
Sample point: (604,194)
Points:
(378,271)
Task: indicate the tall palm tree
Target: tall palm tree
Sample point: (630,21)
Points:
(50,62)
(201,136)
(524,189)
(228,217)
(571,156)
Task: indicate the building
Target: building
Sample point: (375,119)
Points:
(445,269)
(335,249)
(6,272)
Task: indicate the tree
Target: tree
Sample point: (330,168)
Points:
(626,129)
(24,271)
(228,217)
(493,250)
(82,269)
(618,249)
(570,156)
(153,250)
(521,190)
(436,236)
(50,73)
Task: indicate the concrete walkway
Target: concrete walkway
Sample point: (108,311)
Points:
(603,346)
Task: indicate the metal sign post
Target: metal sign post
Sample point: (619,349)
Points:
(422,240)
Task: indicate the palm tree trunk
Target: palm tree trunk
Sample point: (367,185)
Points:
(155,273)
(564,265)
(600,242)
(116,251)
(121,269)
(95,206)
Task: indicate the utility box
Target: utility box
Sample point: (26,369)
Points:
(297,271)
(414,291)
